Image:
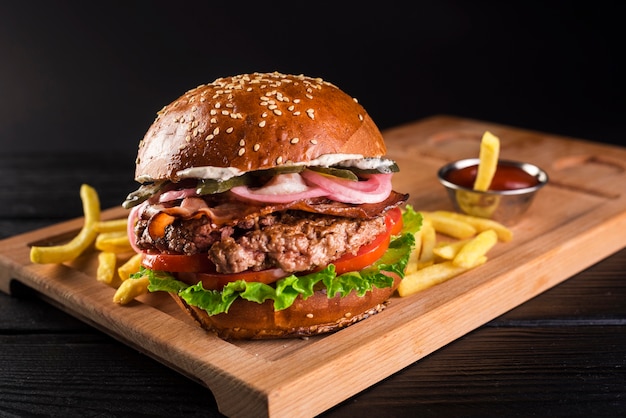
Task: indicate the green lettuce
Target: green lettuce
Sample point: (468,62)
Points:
(285,291)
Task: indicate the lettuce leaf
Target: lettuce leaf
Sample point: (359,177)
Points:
(286,290)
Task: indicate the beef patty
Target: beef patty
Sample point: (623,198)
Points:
(291,240)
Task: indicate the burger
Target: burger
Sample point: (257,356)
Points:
(265,208)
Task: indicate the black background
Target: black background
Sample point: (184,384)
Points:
(90,76)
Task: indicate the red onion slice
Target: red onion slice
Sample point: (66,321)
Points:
(176,194)
(373,190)
(130,228)
(283,188)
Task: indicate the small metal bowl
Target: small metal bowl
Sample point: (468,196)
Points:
(505,206)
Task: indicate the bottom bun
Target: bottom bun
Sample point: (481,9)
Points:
(316,315)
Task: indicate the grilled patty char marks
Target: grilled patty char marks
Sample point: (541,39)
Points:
(291,240)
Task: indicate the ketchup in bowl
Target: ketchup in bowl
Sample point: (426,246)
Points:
(511,192)
(507,177)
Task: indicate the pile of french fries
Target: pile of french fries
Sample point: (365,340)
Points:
(116,259)
(435,261)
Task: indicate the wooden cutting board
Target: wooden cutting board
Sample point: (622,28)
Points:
(575,221)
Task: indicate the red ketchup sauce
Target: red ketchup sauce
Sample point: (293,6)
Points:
(507,177)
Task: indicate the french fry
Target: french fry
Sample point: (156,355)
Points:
(488,161)
(129,267)
(106,267)
(428,241)
(476,248)
(115,242)
(480,224)
(111,225)
(431,276)
(449,250)
(447,225)
(86,236)
(130,289)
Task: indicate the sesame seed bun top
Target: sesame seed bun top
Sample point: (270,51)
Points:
(255,121)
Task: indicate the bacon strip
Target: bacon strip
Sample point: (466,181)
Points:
(229,210)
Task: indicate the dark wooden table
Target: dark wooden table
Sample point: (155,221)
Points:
(560,354)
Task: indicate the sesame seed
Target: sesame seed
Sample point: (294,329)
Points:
(361,117)
(311,113)
(264,114)
(209,137)
(290,108)
(308,96)
(314,141)
(213,112)
(188,138)
(295,140)
(241,151)
(225,112)
(213,120)
(309,315)
(242,142)
(256,147)
(296,113)
(296,101)
(229,129)
(218,105)
(261,124)
(277,112)
(279,160)
(216,131)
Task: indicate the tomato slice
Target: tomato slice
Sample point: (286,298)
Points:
(176,262)
(366,255)
(394,220)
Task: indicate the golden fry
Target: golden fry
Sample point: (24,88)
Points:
(488,161)
(476,248)
(428,242)
(130,289)
(450,226)
(111,225)
(431,276)
(449,250)
(106,267)
(115,242)
(130,267)
(86,236)
(480,224)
